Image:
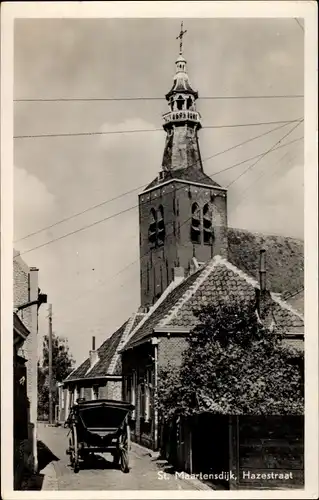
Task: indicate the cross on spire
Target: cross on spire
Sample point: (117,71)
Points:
(180,37)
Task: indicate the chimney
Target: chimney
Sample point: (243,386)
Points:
(94,356)
(262,270)
(263,297)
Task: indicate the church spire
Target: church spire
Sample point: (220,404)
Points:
(182,121)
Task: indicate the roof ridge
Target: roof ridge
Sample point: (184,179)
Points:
(285,305)
(126,331)
(167,291)
(275,296)
(203,273)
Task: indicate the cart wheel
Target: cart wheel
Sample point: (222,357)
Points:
(75,450)
(124,446)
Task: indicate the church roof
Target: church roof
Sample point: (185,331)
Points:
(217,280)
(192,174)
(285,259)
(235,277)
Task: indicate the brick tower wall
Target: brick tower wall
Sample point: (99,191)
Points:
(178,250)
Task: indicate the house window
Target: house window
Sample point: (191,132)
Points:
(95,392)
(207,225)
(195,224)
(147,396)
(62,398)
(133,392)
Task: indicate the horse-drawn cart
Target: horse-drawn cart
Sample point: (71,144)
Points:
(100,426)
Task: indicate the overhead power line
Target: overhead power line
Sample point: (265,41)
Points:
(98,99)
(264,154)
(121,212)
(146,253)
(243,197)
(111,132)
(144,185)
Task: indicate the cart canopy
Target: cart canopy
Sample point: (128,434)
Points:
(103,413)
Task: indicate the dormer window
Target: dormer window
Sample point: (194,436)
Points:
(195,224)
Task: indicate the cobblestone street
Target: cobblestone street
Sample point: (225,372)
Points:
(145,471)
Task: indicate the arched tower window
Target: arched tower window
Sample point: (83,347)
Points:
(156,231)
(152,227)
(207,225)
(189,103)
(160,226)
(195,224)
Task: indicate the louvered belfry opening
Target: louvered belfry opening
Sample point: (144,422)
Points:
(195,224)
(160,227)
(156,232)
(152,228)
(207,224)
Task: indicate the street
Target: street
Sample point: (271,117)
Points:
(146,472)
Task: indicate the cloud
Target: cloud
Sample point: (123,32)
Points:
(275,206)
(34,205)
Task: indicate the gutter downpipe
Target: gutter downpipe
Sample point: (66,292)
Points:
(155,343)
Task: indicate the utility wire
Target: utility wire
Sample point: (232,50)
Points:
(242,198)
(111,132)
(98,99)
(115,215)
(264,154)
(138,260)
(143,185)
(149,251)
(118,213)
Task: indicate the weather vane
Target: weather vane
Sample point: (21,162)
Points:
(180,37)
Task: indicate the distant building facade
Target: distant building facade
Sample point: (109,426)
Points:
(27,299)
(100,374)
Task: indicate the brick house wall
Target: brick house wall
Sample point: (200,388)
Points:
(170,350)
(87,389)
(140,361)
(25,289)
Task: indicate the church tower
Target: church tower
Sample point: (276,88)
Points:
(183,212)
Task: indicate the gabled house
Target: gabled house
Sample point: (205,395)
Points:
(160,338)
(100,374)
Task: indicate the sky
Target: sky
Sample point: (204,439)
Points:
(92,277)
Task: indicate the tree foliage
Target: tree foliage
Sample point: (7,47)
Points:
(62,364)
(233,365)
